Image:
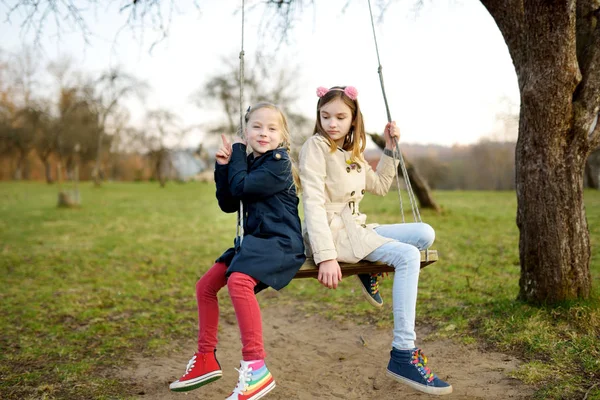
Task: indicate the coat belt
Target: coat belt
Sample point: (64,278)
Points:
(339,207)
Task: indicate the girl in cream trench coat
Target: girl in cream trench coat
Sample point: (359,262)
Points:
(334,178)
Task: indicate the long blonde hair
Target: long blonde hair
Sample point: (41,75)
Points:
(285,133)
(356,140)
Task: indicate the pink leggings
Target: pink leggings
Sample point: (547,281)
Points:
(247,311)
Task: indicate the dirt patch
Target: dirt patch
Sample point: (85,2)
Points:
(314,358)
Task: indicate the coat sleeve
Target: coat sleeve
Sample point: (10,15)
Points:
(378,182)
(272,176)
(312,177)
(227,202)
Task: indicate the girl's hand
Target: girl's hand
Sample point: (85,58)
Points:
(391,131)
(224,153)
(330,274)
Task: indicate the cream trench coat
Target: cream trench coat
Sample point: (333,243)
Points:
(334,227)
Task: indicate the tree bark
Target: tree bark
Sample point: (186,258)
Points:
(418,183)
(557,110)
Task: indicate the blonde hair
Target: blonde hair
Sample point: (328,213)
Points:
(285,133)
(356,140)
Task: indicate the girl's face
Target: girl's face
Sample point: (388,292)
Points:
(263,131)
(336,119)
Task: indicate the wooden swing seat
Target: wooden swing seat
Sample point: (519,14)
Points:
(310,270)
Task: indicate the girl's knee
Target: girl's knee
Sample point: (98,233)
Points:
(427,235)
(238,280)
(413,254)
(204,286)
(407,256)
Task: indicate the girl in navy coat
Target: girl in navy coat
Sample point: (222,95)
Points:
(270,254)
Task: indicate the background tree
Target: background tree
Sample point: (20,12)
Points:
(26,127)
(45,140)
(22,80)
(592,170)
(162,127)
(106,95)
(264,80)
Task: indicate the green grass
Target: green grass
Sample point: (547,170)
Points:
(83,289)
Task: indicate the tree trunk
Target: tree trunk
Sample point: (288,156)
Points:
(48,172)
(96,173)
(592,170)
(554,243)
(418,183)
(160,170)
(44,157)
(18,174)
(554,140)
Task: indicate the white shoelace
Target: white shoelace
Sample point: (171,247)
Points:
(190,365)
(244,378)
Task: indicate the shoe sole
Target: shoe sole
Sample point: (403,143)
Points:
(263,392)
(196,383)
(368,296)
(438,391)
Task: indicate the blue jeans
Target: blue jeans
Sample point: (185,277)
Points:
(405,256)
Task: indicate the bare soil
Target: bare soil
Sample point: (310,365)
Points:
(314,358)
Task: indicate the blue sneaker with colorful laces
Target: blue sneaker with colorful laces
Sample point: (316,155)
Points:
(410,367)
(369,284)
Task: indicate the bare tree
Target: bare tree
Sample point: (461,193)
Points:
(264,80)
(162,127)
(45,141)
(28,125)
(22,75)
(106,95)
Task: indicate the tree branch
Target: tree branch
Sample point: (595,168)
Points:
(510,18)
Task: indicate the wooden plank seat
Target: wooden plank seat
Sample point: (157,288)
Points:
(310,270)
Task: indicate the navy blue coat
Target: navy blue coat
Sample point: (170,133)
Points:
(272,249)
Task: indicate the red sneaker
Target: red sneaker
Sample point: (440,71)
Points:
(255,381)
(203,368)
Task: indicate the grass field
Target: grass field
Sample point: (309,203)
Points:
(83,288)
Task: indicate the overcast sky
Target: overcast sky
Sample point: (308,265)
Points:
(448,74)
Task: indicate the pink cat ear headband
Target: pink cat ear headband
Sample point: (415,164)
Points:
(349,91)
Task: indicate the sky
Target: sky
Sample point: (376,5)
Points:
(447,71)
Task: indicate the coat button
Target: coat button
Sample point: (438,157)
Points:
(353,193)
(277,156)
(348,169)
(362,191)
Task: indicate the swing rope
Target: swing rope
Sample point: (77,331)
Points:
(411,195)
(240,214)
